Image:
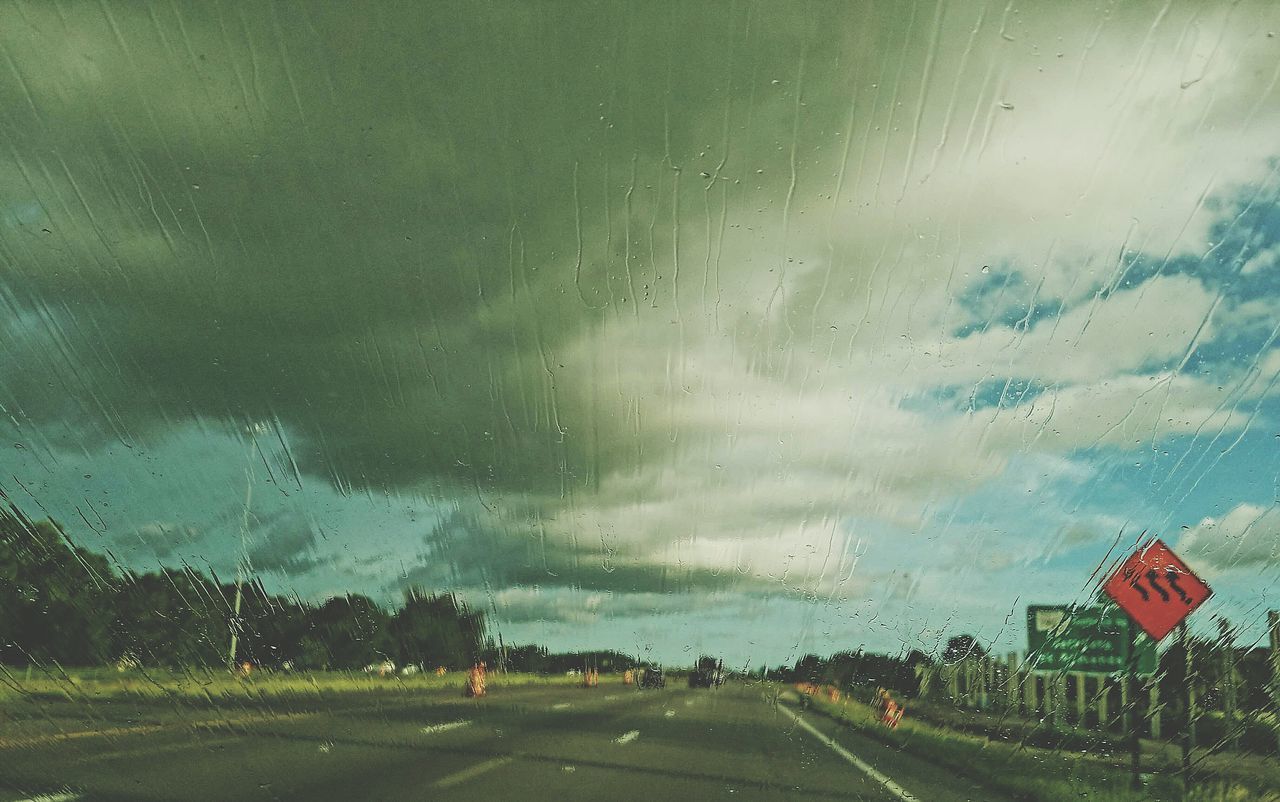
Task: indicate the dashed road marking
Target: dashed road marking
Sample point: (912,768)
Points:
(627,737)
(561,706)
(471,773)
(858,763)
(452,725)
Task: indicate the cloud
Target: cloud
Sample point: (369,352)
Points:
(681,310)
(287,546)
(1247,537)
(165,539)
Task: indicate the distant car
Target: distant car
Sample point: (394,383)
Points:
(651,677)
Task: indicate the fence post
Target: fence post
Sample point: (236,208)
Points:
(1104,699)
(1060,704)
(1012,681)
(1227,663)
(1051,699)
(967,668)
(984,684)
(1081,698)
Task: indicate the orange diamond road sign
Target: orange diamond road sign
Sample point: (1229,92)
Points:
(1156,589)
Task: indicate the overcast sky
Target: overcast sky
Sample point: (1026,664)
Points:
(748,328)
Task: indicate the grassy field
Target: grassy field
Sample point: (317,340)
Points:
(218,685)
(1041,775)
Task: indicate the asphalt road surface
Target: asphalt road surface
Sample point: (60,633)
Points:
(523,743)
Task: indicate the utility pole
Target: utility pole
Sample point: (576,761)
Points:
(244,538)
(1133,716)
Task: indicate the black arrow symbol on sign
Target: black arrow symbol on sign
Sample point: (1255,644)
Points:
(1152,577)
(1171,576)
(1141,590)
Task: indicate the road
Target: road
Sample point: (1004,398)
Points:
(527,743)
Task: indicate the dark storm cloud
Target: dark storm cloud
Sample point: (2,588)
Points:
(163,539)
(287,546)
(645,289)
(372,237)
(464,551)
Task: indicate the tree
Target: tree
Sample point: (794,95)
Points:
(961,647)
(437,630)
(54,597)
(354,632)
(171,618)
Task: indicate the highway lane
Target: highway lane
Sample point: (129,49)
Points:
(535,742)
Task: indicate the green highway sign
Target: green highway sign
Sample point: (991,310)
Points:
(1091,639)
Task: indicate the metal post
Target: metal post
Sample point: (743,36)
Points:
(1132,714)
(1189,728)
(1155,708)
(1273,624)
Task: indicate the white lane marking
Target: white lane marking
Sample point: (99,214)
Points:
(471,773)
(65,796)
(860,764)
(452,725)
(561,706)
(627,737)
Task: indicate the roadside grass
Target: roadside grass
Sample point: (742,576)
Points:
(1031,773)
(216,686)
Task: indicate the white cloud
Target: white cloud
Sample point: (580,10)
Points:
(1247,537)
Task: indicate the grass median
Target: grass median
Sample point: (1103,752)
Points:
(220,685)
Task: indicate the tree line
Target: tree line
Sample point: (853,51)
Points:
(65,604)
(856,671)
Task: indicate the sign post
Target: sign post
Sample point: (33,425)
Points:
(1158,591)
(1273,630)
(1189,728)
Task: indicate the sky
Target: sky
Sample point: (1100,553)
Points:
(746,328)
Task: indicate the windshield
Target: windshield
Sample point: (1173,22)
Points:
(665,400)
